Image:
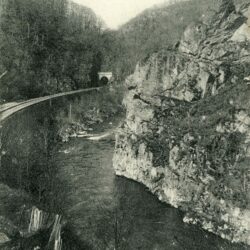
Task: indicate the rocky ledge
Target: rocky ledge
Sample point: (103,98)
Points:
(187,130)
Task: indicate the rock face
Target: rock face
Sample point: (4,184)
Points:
(187,130)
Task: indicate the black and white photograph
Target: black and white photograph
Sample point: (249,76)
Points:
(124,124)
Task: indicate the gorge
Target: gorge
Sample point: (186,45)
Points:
(159,161)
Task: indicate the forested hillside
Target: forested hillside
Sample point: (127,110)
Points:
(47,46)
(161,27)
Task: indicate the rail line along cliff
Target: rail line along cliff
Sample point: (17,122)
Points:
(187,130)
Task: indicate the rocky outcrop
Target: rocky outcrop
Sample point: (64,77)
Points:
(187,130)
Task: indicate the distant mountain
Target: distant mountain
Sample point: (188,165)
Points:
(160,27)
(84,13)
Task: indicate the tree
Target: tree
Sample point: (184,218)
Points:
(47,47)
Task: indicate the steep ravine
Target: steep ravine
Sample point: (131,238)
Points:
(186,135)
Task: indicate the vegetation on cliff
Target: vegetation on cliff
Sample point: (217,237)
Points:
(160,28)
(186,133)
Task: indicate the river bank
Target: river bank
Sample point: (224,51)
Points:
(105,211)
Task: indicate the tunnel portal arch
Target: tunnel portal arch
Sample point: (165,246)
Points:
(105,77)
(104,80)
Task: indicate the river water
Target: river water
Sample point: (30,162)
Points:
(76,180)
(108,212)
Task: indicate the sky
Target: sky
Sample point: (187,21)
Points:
(118,12)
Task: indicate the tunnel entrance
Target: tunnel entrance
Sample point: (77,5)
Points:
(104,81)
(105,78)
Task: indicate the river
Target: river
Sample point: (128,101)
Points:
(107,212)
(76,179)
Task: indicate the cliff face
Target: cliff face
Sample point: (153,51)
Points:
(187,130)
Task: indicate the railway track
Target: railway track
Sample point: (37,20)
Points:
(8,111)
